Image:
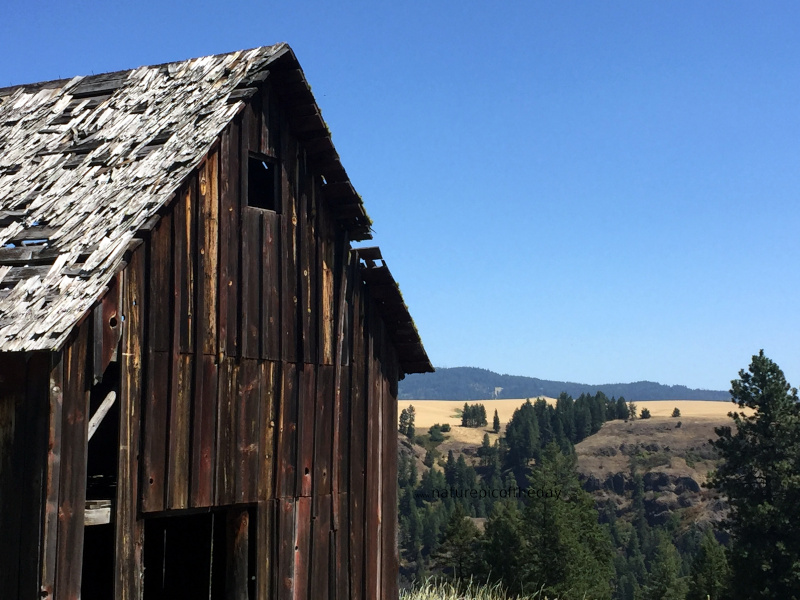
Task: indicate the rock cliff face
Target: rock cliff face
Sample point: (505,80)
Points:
(674,457)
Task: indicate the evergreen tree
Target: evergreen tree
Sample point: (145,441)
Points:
(458,554)
(632,414)
(404,421)
(522,436)
(622,409)
(676,412)
(496,422)
(709,579)
(450,469)
(567,552)
(504,546)
(645,413)
(665,581)
(760,476)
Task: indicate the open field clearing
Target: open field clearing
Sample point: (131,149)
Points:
(430,412)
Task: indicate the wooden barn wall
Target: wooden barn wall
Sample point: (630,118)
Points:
(260,375)
(44,404)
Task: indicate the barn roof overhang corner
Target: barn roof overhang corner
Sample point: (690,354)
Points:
(385,294)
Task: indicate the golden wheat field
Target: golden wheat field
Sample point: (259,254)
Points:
(430,412)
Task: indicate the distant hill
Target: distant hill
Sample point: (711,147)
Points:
(471,383)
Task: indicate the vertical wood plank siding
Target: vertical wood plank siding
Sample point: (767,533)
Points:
(255,373)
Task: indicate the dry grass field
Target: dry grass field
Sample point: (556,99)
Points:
(430,412)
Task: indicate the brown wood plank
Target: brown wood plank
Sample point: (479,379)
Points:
(358,448)
(248,429)
(179,431)
(236,577)
(270,390)
(154,450)
(251,281)
(320,580)
(285,586)
(341,310)
(323,431)
(286,456)
(129,531)
(107,329)
(226,454)
(265,549)
(372,532)
(184,225)
(204,435)
(208,244)
(307,275)
(342,548)
(229,241)
(302,548)
(270,287)
(289,252)
(74,444)
(305,430)
(161,284)
(328,301)
(268,126)
(53,480)
(390,560)
(251,121)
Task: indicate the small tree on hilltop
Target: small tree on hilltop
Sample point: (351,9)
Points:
(759,475)
(676,412)
(496,422)
(632,411)
(645,413)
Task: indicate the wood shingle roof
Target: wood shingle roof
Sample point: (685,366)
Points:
(86,162)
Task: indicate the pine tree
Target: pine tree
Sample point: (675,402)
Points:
(645,413)
(503,531)
(567,551)
(632,414)
(458,555)
(760,476)
(665,581)
(622,409)
(709,578)
(496,422)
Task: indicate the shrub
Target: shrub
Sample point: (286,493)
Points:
(645,413)
(676,412)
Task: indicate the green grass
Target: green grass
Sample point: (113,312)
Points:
(433,589)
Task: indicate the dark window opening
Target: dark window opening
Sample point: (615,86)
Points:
(193,556)
(262,183)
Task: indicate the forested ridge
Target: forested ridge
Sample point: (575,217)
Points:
(472,383)
(516,516)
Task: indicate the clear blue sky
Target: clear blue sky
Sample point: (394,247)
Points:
(586,191)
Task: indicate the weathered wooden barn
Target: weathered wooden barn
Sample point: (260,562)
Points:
(198,373)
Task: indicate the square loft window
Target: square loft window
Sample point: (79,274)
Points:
(262,183)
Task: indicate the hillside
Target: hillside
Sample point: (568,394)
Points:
(471,383)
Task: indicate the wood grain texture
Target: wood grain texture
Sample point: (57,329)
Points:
(208,201)
(270,287)
(72,496)
(129,531)
(251,289)
(230,214)
(286,456)
(305,430)
(53,480)
(204,434)
(178,465)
